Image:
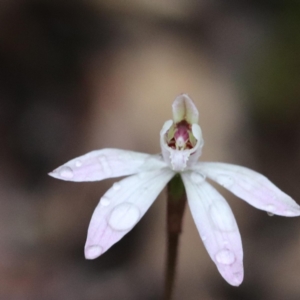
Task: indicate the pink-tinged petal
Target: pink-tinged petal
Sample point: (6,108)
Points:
(122,206)
(107,163)
(185,109)
(217,227)
(252,187)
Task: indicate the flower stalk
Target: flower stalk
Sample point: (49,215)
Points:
(176,201)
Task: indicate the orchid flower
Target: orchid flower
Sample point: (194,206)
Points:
(124,204)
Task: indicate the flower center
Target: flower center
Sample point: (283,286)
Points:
(180,136)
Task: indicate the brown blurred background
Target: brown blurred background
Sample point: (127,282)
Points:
(82,75)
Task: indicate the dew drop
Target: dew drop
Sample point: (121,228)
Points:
(78,163)
(66,172)
(225,181)
(104,201)
(204,238)
(124,216)
(93,251)
(116,186)
(270,208)
(197,177)
(225,257)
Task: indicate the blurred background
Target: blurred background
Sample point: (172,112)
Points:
(82,75)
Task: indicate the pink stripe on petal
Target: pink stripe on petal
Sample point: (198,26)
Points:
(121,208)
(107,163)
(252,187)
(217,227)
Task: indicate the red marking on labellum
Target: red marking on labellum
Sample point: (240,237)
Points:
(181,136)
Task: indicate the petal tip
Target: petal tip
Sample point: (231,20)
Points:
(290,208)
(53,174)
(92,252)
(236,279)
(64,173)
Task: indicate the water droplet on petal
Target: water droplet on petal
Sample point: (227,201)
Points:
(197,177)
(124,216)
(225,257)
(78,163)
(116,186)
(204,238)
(66,172)
(105,165)
(93,252)
(225,180)
(104,201)
(270,208)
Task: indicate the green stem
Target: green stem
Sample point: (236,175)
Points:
(175,209)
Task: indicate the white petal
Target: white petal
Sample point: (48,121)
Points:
(185,109)
(197,132)
(167,125)
(217,227)
(122,206)
(252,187)
(106,163)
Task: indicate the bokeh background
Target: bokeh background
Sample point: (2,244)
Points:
(82,75)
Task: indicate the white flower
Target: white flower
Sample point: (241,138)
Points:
(124,204)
